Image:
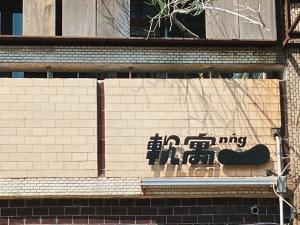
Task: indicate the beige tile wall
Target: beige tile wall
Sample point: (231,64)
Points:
(139,108)
(48,128)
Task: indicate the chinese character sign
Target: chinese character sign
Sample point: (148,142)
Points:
(161,149)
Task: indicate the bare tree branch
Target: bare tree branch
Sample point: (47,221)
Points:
(183,29)
(170,8)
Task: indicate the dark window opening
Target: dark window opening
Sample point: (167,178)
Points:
(11,17)
(65,75)
(58,18)
(101,129)
(196,24)
(140,11)
(149,75)
(183,76)
(35,75)
(23,75)
(144,75)
(98,76)
(12,74)
(117,75)
(139,19)
(5,75)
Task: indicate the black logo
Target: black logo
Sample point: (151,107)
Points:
(200,152)
(259,154)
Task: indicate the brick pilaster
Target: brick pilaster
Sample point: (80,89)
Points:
(293,109)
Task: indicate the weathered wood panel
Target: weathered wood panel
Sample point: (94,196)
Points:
(268,18)
(221,25)
(79,18)
(113,18)
(39,17)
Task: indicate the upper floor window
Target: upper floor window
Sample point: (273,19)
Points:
(11,17)
(141,11)
(125,18)
(139,19)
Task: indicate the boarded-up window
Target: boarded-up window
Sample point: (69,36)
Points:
(223,25)
(79,18)
(39,17)
(268,18)
(113,18)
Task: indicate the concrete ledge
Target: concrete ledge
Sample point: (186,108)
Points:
(218,181)
(69,187)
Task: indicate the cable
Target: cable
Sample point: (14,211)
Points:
(279,196)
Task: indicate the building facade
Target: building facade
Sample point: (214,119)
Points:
(100,125)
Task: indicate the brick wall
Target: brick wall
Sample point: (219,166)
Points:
(104,187)
(295,10)
(251,191)
(140,108)
(48,128)
(111,58)
(293,100)
(138,211)
(69,187)
(293,115)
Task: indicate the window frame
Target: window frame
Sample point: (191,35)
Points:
(8,9)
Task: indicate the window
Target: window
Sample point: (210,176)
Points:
(58,19)
(17,74)
(11,17)
(144,75)
(194,23)
(139,21)
(140,11)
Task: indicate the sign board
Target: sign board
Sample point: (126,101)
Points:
(200,151)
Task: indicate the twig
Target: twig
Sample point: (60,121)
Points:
(170,8)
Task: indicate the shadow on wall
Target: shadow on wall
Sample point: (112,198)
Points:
(117,15)
(225,25)
(294,113)
(198,170)
(230,105)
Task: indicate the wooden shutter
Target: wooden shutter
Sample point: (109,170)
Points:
(113,18)
(221,25)
(268,15)
(79,18)
(39,17)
